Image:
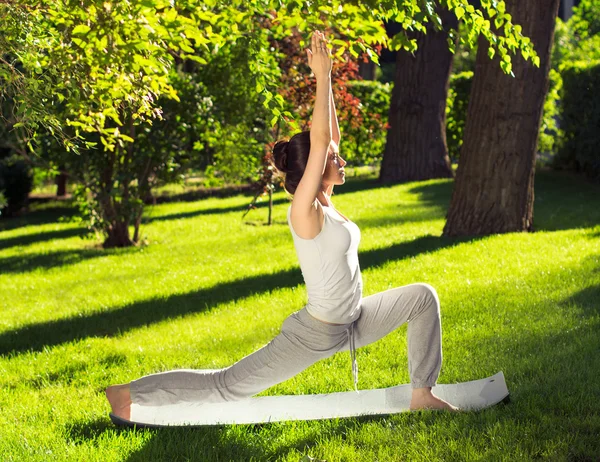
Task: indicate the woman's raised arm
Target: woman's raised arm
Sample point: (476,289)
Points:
(319,60)
(335,128)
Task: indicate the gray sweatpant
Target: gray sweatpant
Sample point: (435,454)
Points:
(304,340)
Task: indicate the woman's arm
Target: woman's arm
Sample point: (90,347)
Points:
(335,128)
(303,210)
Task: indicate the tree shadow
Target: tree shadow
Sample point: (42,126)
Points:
(38,216)
(45,236)
(211,211)
(28,263)
(565,201)
(118,320)
(436,194)
(403,250)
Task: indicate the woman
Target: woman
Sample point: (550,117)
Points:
(336,317)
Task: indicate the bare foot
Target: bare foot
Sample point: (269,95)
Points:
(422,398)
(120,400)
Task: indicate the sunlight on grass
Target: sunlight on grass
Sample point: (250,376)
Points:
(209,288)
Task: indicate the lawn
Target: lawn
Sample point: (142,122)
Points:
(209,288)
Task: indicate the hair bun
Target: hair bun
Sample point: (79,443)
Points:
(280,154)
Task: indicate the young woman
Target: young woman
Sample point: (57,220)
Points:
(336,317)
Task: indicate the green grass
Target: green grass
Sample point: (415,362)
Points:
(210,289)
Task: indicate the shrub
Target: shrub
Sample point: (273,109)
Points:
(580,118)
(365,139)
(16,182)
(456,111)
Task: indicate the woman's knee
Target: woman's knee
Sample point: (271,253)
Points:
(429,292)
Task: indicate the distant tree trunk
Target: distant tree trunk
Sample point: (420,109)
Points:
(61,182)
(494,184)
(416,141)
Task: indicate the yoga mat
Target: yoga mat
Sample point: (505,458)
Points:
(474,395)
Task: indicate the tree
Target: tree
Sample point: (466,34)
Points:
(93,75)
(494,188)
(416,140)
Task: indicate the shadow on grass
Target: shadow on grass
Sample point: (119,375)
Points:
(116,321)
(45,236)
(40,215)
(211,211)
(32,262)
(565,201)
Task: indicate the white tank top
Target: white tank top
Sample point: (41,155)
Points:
(329,264)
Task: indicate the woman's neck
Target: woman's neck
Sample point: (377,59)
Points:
(324,195)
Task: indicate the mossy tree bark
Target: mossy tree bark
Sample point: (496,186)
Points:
(494,191)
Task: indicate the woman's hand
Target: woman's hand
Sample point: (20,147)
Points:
(319,57)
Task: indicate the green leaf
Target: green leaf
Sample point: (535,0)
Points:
(459,12)
(80,29)
(491,52)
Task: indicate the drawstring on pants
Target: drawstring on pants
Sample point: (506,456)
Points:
(353,356)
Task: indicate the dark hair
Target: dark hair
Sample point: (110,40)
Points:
(291,157)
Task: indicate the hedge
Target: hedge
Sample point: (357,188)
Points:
(580,118)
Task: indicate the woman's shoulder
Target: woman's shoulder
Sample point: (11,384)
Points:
(306,223)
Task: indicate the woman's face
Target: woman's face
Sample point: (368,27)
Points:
(334,169)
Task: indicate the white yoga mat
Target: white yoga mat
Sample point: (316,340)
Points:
(474,395)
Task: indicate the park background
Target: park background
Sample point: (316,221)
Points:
(164,244)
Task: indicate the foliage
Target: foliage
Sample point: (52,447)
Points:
(569,47)
(585,21)
(96,75)
(580,118)
(16,182)
(365,134)
(96,61)
(576,43)
(456,112)
(550,132)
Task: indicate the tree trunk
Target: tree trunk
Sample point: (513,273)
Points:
(416,141)
(494,184)
(61,182)
(118,235)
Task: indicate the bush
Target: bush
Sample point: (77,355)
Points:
(456,112)
(580,119)
(16,182)
(364,138)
